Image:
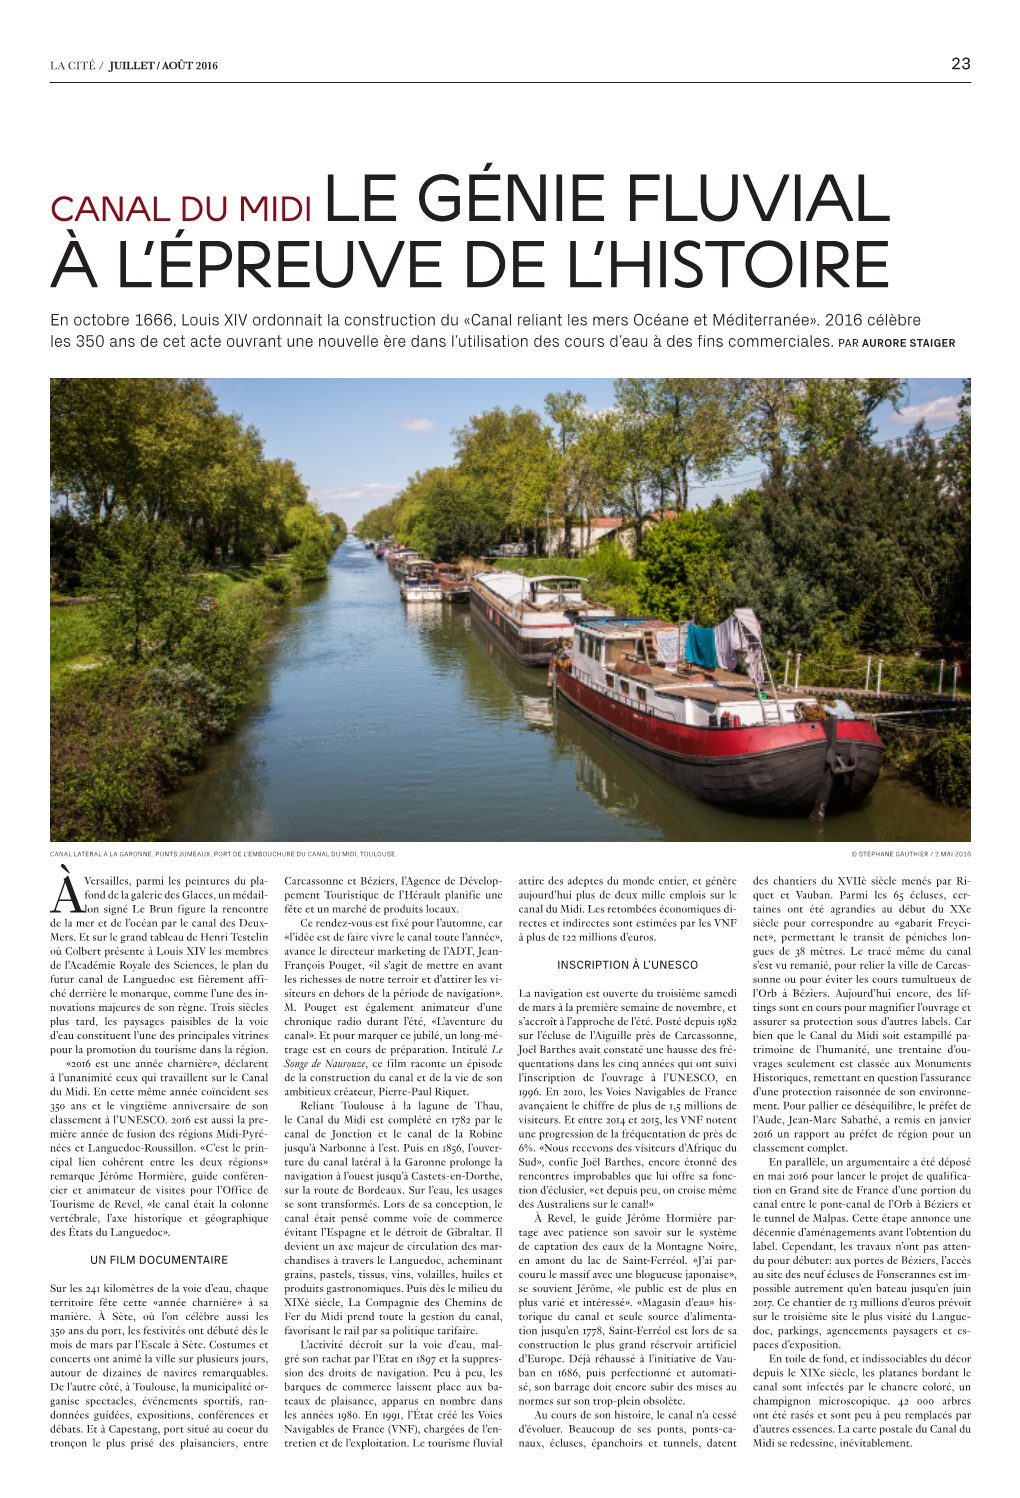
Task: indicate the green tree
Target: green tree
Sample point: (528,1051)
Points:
(380,522)
(508,454)
(588,476)
(313,539)
(955,449)
(448,515)
(98,445)
(71,540)
(766,407)
(566,410)
(867,542)
(147,595)
(684,574)
(827,413)
(162,449)
(693,426)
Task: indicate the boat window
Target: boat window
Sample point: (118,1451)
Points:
(610,681)
(625,687)
(642,694)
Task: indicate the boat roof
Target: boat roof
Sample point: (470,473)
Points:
(515,587)
(557,577)
(623,628)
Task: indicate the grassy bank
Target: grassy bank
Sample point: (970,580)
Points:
(125,732)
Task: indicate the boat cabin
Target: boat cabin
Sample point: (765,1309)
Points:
(554,590)
(420,573)
(634,662)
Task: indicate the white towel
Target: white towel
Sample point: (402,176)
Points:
(667,646)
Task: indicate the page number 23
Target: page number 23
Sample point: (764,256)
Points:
(961,64)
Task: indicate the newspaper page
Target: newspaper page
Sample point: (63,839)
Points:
(510,993)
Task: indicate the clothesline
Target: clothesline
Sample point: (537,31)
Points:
(736,641)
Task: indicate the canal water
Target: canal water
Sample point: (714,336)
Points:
(379,722)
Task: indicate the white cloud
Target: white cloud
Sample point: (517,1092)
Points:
(375,493)
(416,424)
(935,413)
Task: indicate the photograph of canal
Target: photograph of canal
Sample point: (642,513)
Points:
(490,610)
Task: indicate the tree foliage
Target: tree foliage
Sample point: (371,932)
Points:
(845,539)
(146,591)
(692,427)
(827,413)
(684,568)
(162,450)
(448,514)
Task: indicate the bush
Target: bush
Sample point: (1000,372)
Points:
(938,761)
(622,600)
(120,740)
(611,564)
(226,644)
(910,674)
(146,594)
(833,662)
(681,560)
(278,580)
(114,752)
(70,541)
(944,766)
(181,689)
(309,561)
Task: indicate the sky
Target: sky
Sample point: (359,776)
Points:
(355,442)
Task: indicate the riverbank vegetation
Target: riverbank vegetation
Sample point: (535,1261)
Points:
(844,538)
(847,547)
(183,541)
(938,760)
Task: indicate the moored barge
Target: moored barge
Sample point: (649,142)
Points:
(532,615)
(420,583)
(715,733)
(456,587)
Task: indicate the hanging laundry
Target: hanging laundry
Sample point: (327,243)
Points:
(667,646)
(753,650)
(729,641)
(748,621)
(700,646)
